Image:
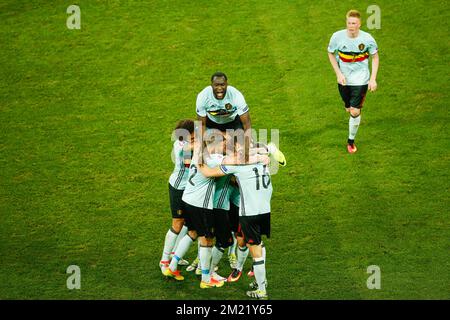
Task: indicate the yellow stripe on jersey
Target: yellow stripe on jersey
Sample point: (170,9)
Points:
(353,57)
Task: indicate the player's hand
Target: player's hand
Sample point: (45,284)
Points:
(341,79)
(264,159)
(372,85)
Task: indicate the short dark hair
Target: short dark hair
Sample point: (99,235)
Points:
(186,124)
(219,75)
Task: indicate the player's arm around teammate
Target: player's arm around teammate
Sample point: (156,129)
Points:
(217,172)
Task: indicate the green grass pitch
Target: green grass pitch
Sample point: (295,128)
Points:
(86,117)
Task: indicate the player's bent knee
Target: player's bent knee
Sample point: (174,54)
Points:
(177,225)
(209,242)
(192,234)
(203,241)
(355,112)
(255,251)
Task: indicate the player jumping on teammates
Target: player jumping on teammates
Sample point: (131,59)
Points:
(349,52)
(223,107)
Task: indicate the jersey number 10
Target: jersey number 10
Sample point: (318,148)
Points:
(265,178)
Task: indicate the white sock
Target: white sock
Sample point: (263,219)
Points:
(205,261)
(259,267)
(263,249)
(198,256)
(169,242)
(242,254)
(232,248)
(216,255)
(353,125)
(182,233)
(183,247)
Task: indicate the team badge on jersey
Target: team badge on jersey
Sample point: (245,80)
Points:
(361,46)
(228,106)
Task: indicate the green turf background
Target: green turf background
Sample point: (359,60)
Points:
(85,123)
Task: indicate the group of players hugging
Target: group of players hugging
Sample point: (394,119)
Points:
(220,191)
